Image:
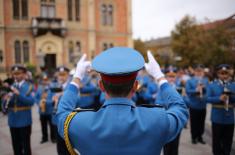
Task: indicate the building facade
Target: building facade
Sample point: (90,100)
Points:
(50,33)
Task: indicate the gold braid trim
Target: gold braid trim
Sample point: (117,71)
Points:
(29,90)
(66,133)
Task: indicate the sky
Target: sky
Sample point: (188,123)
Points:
(157,18)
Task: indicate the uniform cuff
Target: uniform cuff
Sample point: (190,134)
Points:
(162,82)
(75,84)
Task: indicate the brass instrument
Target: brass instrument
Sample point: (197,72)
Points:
(55,100)
(141,87)
(42,103)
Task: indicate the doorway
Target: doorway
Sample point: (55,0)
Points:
(50,63)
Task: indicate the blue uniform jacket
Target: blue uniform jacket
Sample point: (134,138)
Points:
(119,127)
(21,118)
(49,103)
(220,115)
(195,101)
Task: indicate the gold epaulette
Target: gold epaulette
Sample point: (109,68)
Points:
(66,133)
(66,128)
(29,90)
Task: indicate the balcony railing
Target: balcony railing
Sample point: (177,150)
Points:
(42,25)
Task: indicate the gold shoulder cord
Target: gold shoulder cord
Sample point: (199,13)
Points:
(29,90)
(66,133)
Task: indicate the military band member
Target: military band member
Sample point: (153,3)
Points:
(45,104)
(195,89)
(63,80)
(221,94)
(119,126)
(19,102)
(88,92)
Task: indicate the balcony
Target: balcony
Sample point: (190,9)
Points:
(42,25)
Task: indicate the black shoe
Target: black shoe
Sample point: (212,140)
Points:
(194,141)
(200,140)
(43,141)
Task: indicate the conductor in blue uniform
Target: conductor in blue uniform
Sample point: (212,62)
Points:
(221,94)
(19,102)
(119,126)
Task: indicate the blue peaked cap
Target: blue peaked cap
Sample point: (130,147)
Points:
(118,61)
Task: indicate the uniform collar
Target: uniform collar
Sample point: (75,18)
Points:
(119,101)
(64,85)
(19,84)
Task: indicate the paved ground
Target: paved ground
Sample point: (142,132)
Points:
(186,148)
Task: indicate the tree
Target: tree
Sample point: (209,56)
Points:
(139,45)
(195,44)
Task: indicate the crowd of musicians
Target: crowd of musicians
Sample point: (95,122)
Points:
(198,87)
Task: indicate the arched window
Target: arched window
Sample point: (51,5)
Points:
(71,49)
(26,51)
(70,10)
(24,7)
(1,56)
(16,9)
(48,8)
(17,52)
(77,9)
(78,47)
(104,14)
(110,15)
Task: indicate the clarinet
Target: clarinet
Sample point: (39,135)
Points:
(227,92)
(201,89)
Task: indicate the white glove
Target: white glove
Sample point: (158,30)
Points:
(152,67)
(82,67)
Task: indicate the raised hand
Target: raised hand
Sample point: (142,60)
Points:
(153,68)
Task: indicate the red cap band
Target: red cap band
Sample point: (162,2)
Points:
(118,79)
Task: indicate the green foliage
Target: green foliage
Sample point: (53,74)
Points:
(31,68)
(195,44)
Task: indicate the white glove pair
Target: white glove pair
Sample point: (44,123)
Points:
(82,67)
(153,68)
